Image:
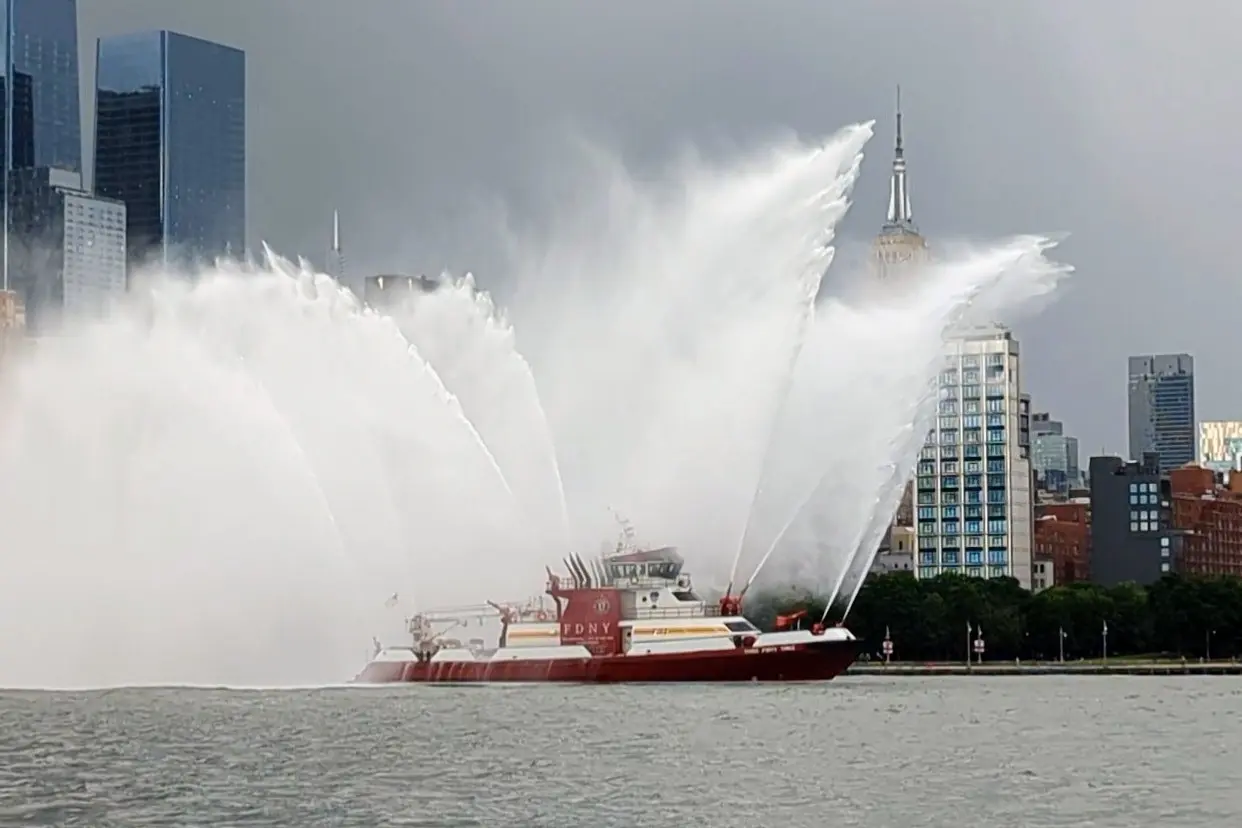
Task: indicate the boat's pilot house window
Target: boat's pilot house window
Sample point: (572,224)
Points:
(740,626)
(624,570)
(662,570)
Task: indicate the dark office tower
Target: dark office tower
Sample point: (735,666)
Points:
(39,116)
(1162,409)
(170,142)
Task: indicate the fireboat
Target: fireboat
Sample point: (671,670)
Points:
(631,616)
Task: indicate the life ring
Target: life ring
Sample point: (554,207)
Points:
(541,615)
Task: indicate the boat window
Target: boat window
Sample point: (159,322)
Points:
(666,569)
(686,595)
(623,570)
(740,626)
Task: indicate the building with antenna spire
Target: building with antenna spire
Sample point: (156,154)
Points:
(899,244)
(972,490)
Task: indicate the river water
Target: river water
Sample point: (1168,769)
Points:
(873,751)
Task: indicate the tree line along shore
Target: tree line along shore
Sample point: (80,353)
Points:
(942,619)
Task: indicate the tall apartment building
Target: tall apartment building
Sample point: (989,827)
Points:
(1161,406)
(67,254)
(170,142)
(973,497)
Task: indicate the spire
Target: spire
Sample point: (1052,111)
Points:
(900,216)
(336,256)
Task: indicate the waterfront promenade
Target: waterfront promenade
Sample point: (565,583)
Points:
(1111,667)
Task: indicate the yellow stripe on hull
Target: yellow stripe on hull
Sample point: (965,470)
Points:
(660,632)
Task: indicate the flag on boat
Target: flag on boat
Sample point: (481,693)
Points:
(392,601)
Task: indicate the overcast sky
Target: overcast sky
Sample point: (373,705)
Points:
(1114,120)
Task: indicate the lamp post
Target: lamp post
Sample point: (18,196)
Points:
(1104,638)
(1061,644)
(887,646)
(1207,645)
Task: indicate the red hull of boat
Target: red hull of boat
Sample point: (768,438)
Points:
(816,661)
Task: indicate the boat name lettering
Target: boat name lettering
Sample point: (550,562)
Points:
(589,628)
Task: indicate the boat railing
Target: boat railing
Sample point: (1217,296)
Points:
(698,611)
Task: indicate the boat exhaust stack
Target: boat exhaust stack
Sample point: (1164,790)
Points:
(586,574)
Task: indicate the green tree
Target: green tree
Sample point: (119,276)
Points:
(927,619)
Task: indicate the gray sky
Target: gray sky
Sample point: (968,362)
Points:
(1114,121)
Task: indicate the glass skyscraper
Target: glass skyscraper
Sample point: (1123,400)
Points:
(170,141)
(39,112)
(1162,408)
(1054,455)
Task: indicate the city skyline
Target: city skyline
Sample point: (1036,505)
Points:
(168,145)
(1057,135)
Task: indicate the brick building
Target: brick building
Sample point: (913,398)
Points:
(1063,538)
(1208,516)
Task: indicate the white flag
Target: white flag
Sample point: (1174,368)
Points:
(392,601)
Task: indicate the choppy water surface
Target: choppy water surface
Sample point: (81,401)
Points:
(860,751)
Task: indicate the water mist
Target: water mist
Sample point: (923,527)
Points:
(664,347)
(225,481)
(861,405)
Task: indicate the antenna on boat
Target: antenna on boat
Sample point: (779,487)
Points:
(627,531)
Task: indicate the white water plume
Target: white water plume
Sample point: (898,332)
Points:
(224,481)
(664,349)
(862,403)
(459,331)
